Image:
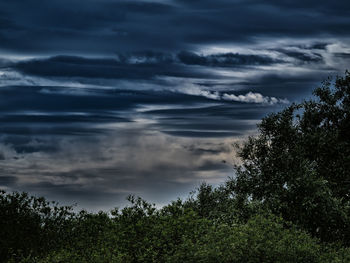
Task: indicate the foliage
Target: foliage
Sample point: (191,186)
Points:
(298,165)
(177,233)
(31,225)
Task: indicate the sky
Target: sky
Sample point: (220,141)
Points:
(100,99)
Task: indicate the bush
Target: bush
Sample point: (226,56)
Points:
(31,225)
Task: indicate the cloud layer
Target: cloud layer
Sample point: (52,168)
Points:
(103,98)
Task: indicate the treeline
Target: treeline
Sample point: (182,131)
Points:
(289,201)
(190,231)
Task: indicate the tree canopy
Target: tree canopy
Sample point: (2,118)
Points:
(299,164)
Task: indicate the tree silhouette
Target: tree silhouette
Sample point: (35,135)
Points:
(299,164)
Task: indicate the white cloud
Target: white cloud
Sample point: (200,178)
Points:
(196,91)
(252,97)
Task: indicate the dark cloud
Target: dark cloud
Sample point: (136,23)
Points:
(304,57)
(4,63)
(214,166)
(7,180)
(224,60)
(324,7)
(89,105)
(140,66)
(318,46)
(49,99)
(204,151)
(50,130)
(233,111)
(105,27)
(60,118)
(147,8)
(296,86)
(143,65)
(209,126)
(201,134)
(342,55)
(35,148)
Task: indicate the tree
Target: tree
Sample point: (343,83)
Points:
(299,163)
(31,226)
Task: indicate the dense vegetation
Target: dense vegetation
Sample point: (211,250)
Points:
(288,202)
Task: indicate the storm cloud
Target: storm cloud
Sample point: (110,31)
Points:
(105,98)
(110,26)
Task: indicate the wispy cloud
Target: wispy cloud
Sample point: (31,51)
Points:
(250,97)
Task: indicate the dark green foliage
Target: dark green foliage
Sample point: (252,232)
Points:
(30,225)
(175,233)
(289,202)
(299,164)
(261,239)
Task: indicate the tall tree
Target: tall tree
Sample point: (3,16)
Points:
(299,163)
